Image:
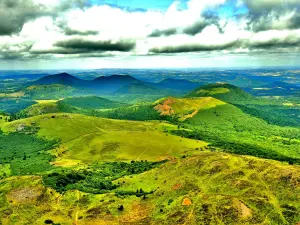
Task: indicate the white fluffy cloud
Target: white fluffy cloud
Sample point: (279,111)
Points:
(73,29)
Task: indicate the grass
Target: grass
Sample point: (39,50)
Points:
(242,133)
(214,91)
(25,154)
(12,95)
(224,92)
(184,108)
(90,139)
(99,165)
(92,102)
(54,91)
(41,107)
(222,189)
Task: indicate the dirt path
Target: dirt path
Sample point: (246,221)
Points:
(77,208)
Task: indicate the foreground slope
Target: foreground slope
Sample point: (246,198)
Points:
(209,188)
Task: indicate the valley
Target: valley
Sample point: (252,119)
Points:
(119,149)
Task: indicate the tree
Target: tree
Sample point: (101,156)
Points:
(48,222)
(25,157)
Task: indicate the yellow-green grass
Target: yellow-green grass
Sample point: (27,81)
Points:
(4,170)
(220,189)
(12,95)
(41,107)
(214,91)
(3,119)
(233,189)
(185,108)
(90,139)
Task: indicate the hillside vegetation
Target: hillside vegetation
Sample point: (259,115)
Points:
(225,92)
(53,91)
(209,188)
(90,139)
(92,102)
(118,150)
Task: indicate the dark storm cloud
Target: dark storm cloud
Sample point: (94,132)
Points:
(90,46)
(15,13)
(194,48)
(160,33)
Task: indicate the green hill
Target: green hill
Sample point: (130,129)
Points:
(139,88)
(225,92)
(92,102)
(51,91)
(184,108)
(41,107)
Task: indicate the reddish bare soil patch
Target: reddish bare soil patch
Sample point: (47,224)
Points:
(186,202)
(165,108)
(176,186)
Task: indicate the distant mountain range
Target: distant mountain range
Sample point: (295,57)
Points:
(121,84)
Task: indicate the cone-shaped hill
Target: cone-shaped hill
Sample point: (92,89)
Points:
(222,91)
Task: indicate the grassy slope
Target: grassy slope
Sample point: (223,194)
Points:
(218,188)
(41,107)
(184,108)
(92,102)
(224,92)
(54,91)
(223,189)
(90,139)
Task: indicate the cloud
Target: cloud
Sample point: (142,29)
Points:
(275,20)
(194,48)
(207,20)
(15,51)
(71,32)
(159,33)
(15,13)
(91,45)
(273,15)
(274,40)
(263,5)
(33,29)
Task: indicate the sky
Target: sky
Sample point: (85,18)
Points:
(92,34)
